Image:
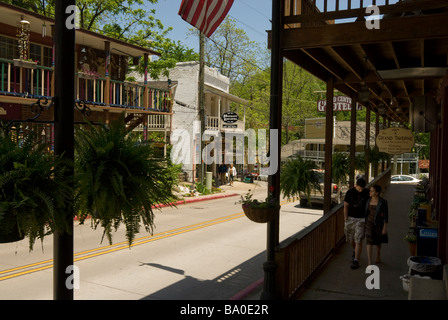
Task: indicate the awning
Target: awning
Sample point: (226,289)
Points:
(224,94)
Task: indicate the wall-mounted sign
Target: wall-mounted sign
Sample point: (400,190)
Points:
(229,117)
(395,140)
(340,103)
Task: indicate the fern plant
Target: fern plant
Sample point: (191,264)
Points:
(298,176)
(33,190)
(118,179)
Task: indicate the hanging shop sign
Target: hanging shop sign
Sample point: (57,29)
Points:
(340,103)
(395,141)
(229,117)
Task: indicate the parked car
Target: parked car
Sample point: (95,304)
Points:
(400,178)
(317,197)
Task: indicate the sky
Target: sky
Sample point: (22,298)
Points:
(250,15)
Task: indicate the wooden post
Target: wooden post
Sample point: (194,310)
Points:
(145,92)
(328,145)
(64,143)
(367,144)
(353,141)
(377,131)
(107,75)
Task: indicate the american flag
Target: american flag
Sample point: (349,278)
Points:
(205,15)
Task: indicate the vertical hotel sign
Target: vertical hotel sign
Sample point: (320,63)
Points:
(395,141)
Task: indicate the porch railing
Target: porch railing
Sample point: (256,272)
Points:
(24,82)
(311,13)
(36,81)
(300,257)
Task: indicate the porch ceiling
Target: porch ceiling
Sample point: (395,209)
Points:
(10,15)
(406,57)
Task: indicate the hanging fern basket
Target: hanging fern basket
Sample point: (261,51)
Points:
(12,233)
(261,215)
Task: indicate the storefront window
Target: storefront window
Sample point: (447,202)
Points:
(8,48)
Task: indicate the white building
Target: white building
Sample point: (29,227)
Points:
(218,101)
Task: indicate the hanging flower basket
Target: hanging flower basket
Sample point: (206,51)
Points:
(261,215)
(12,233)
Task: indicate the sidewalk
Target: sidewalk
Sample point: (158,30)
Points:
(238,188)
(337,281)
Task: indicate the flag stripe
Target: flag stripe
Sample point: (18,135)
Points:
(205,15)
(217,19)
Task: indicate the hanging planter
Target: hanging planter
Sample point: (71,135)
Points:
(33,189)
(260,211)
(12,232)
(119,180)
(261,215)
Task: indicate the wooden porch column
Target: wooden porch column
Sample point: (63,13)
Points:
(107,84)
(377,131)
(145,92)
(328,145)
(353,141)
(442,251)
(383,163)
(367,144)
(52,62)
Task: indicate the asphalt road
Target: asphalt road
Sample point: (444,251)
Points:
(205,250)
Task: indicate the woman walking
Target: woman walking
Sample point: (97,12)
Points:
(377,217)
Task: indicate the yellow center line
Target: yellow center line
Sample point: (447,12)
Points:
(122,245)
(119,246)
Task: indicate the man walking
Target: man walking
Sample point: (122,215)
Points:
(354,215)
(222,169)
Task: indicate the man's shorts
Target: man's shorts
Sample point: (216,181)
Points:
(354,229)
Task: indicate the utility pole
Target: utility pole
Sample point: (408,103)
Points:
(202,96)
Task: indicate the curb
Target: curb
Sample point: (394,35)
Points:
(196,199)
(248,290)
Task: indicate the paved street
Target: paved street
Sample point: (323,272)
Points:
(205,250)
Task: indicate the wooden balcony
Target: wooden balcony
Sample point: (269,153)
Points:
(20,84)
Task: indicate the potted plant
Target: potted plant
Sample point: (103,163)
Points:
(260,211)
(119,180)
(298,177)
(411,239)
(33,190)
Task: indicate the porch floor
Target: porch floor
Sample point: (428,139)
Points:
(337,281)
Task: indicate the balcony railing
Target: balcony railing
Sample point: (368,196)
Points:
(311,13)
(320,155)
(36,81)
(215,123)
(24,82)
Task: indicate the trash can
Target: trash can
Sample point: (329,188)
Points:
(425,266)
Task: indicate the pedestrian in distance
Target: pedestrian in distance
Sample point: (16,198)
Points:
(222,169)
(377,217)
(232,174)
(354,215)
